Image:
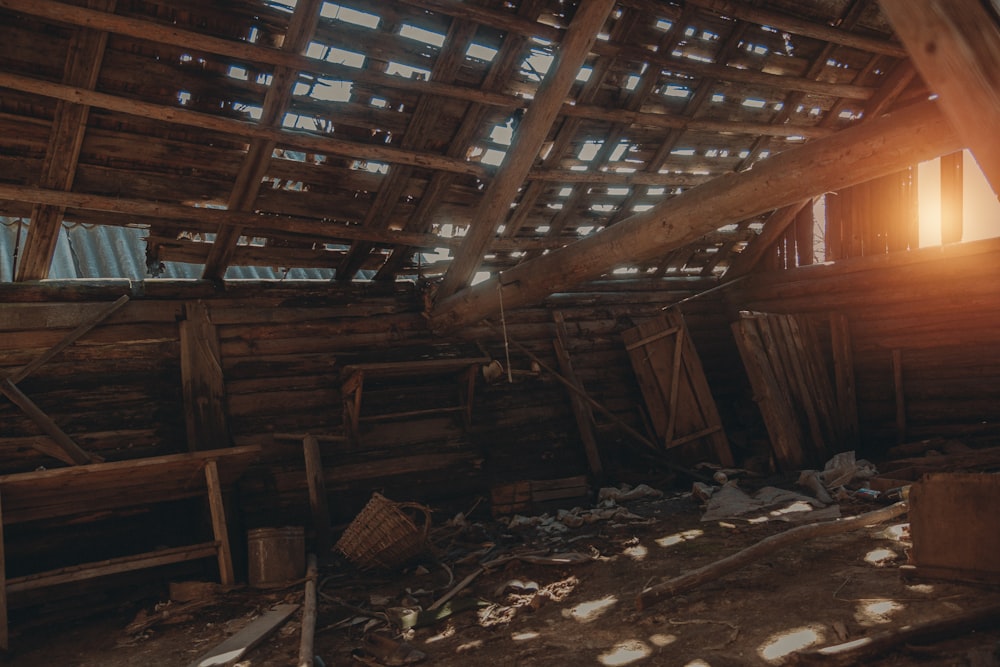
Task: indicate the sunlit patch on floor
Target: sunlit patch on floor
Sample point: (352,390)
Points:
(660,640)
(470,646)
(625,653)
(638,552)
(921,588)
(899,532)
(797,506)
(780,645)
(880,557)
(698,662)
(525,636)
(448,631)
(876,611)
(677,538)
(585,612)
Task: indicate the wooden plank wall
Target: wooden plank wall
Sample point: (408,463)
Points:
(937,308)
(118,391)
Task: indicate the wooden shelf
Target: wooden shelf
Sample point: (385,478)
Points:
(100,487)
(354,376)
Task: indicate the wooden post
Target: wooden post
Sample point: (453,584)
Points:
(897,383)
(219,527)
(843,370)
(317,494)
(204,385)
(581,411)
(951,197)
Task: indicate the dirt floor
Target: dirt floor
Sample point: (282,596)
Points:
(564,593)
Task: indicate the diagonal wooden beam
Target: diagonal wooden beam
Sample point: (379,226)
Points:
(852,156)
(70,338)
(301,27)
(68,451)
(528,140)
(69,124)
(955,45)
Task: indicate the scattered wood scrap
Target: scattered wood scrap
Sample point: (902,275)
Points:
(852,652)
(720,568)
(235,647)
(308,614)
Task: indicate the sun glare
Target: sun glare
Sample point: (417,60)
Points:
(981,210)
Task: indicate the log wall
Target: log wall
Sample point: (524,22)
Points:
(119,393)
(935,311)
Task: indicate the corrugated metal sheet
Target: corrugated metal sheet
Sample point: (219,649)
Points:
(119,252)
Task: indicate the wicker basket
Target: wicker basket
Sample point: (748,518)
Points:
(382,535)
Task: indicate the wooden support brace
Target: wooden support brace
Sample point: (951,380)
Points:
(69,339)
(69,451)
(219,528)
(317,494)
(581,412)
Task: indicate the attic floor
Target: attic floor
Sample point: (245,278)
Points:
(819,592)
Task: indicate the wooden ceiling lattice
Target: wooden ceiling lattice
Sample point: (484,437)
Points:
(362,136)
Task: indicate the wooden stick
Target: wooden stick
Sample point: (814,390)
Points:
(308,615)
(695,578)
(71,452)
(852,652)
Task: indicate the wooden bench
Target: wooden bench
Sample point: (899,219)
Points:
(102,487)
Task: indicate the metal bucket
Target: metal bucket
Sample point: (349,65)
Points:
(276,555)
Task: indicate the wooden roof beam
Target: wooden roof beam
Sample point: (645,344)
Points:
(261,225)
(955,45)
(528,139)
(83,63)
(301,140)
(745,12)
(855,155)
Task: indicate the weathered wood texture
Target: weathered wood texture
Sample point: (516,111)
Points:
(119,390)
(676,393)
(932,305)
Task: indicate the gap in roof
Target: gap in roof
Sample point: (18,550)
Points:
(332,10)
(480,52)
(421,35)
(334,55)
(589,150)
(537,64)
(399,69)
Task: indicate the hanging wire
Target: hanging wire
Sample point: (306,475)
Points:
(503,326)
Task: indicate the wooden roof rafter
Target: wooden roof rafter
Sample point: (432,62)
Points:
(527,142)
(83,64)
